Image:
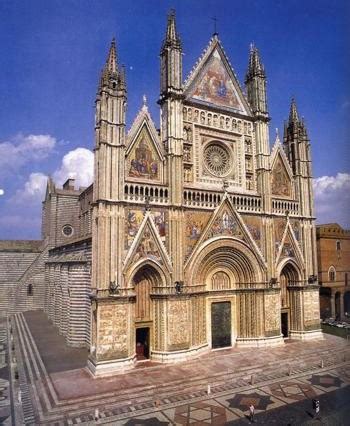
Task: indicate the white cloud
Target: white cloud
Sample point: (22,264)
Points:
(77,164)
(23,149)
(33,190)
(332,199)
(2,192)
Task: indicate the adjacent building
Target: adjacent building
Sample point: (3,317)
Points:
(333,255)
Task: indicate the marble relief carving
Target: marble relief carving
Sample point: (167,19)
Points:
(178,324)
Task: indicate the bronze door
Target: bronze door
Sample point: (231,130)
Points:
(221,324)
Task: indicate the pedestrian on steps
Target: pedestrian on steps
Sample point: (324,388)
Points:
(251,413)
(316,407)
(97,414)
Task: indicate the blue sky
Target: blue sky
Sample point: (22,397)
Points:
(52,53)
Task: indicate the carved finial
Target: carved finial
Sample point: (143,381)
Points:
(144,103)
(277,136)
(215,20)
(147,203)
(225,185)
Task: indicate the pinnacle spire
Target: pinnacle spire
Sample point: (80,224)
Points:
(172,38)
(111,62)
(293,113)
(255,67)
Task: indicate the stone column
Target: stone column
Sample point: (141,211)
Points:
(333,304)
(341,306)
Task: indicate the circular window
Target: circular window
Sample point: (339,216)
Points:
(67,230)
(217,160)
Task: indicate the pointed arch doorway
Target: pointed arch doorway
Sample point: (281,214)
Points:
(145,279)
(289,276)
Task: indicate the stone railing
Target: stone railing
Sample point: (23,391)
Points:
(198,198)
(146,193)
(280,206)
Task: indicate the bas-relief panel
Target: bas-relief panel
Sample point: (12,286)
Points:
(143,160)
(280,182)
(253,224)
(112,341)
(215,85)
(134,219)
(272,311)
(178,324)
(195,225)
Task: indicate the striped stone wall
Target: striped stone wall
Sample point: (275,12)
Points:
(67,302)
(21,264)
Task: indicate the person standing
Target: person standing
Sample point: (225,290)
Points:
(251,413)
(316,407)
(97,414)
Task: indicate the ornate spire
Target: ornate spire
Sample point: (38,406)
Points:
(255,67)
(111,62)
(293,113)
(172,38)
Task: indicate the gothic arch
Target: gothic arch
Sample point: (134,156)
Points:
(164,276)
(228,254)
(292,268)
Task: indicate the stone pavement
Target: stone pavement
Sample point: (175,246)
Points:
(280,382)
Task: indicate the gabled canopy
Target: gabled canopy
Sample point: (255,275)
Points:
(213,82)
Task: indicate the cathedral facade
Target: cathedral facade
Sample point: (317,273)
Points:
(193,237)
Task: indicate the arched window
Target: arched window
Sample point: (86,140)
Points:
(331,273)
(30,290)
(338,245)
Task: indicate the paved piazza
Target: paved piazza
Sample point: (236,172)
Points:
(55,388)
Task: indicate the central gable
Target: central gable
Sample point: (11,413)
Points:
(143,157)
(213,82)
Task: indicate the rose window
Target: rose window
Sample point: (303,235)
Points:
(217,160)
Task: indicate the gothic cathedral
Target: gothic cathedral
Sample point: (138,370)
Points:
(202,237)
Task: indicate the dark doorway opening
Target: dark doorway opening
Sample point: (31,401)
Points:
(284,324)
(142,343)
(221,324)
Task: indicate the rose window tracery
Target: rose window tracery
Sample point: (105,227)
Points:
(217,160)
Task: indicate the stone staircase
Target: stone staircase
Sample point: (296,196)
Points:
(120,403)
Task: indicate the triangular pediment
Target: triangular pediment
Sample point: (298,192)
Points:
(227,222)
(281,173)
(148,245)
(214,83)
(144,156)
(289,247)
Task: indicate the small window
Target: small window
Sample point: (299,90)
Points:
(346,278)
(331,273)
(338,245)
(30,290)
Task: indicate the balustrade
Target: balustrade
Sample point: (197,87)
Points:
(282,206)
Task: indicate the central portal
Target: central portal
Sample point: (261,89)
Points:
(220,324)
(142,343)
